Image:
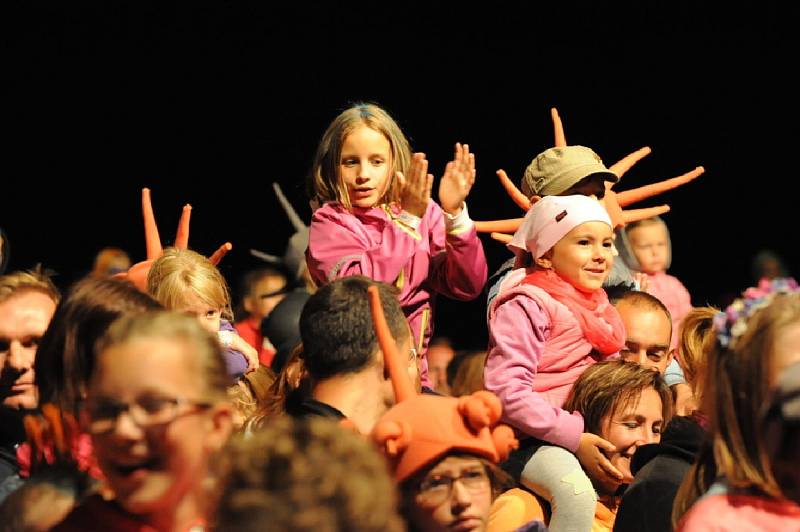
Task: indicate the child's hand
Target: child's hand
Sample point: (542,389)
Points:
(594,461)
(249,352)
(415,188)
(457,181)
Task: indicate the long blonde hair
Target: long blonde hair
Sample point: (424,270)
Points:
(324,182)
(736,385)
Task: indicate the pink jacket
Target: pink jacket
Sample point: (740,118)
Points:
(670,291)
(536,352)
(723,513)
(379,243)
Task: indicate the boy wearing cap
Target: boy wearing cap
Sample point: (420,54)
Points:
(549,322)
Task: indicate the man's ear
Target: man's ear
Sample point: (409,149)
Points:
(670,356)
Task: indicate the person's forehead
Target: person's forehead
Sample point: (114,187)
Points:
(30,308)
(652,230)
(271,280)
(150,362)
(645,324)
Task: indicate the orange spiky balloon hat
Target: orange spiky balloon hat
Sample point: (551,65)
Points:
(137,274)
(613,201)
(421,429)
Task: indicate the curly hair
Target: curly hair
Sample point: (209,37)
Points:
(305,474)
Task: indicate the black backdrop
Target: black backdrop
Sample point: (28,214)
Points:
(209,102)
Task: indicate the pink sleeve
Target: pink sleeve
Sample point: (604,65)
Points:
(518,332)
(337,248)
(458,264)
(685,300)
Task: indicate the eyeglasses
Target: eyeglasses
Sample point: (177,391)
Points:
(145,412)
(436,489)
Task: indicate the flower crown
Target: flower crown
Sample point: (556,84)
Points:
(732,323)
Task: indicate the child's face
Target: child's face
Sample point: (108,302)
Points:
(208,315)
(157,432)
(442,503)
(365,166)
(259,304)
(593,186)
(584,256)
(649,243)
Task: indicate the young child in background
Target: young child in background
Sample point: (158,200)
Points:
(376,217)
(184,280)
(646,248)
(550,321)
(261,290)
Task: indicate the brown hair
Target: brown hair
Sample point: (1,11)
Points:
(66,354)
(468,376)
(609,386)
(324,182)
(306,474)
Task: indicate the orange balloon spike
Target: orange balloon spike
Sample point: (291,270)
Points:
(182,236)
(221,252)
(34,431)
(628,197)
(516,194)
(395,363)
(501,226)
(612,207)
(151,238)
(625,164)
(558,129)
(636,215)
(501,237)
(53,416)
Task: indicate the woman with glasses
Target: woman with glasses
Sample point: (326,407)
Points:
(443,452)
(157,412)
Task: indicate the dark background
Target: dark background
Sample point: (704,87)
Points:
(208,103)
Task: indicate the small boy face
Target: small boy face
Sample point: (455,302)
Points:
(259,304)
(592,186)
(649,243)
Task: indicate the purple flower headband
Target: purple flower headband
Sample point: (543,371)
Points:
(732,323)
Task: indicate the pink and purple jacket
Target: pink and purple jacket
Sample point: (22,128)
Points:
(536,352)
(441,254)
(670,291)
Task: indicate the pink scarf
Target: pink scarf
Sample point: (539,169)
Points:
(601,323)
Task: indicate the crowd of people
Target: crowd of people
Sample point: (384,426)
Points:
(316,394)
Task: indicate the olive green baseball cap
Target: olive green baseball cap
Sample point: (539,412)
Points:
(557,169)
